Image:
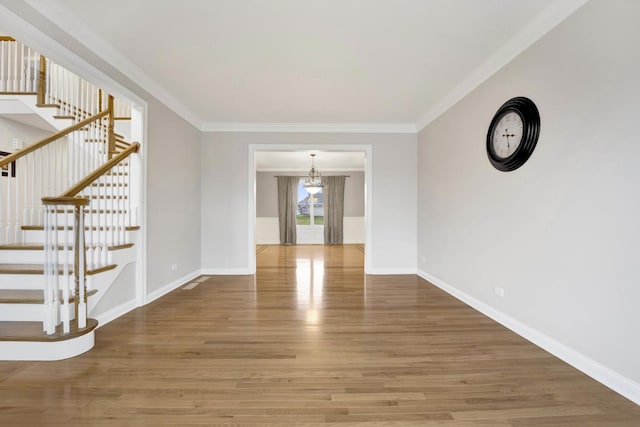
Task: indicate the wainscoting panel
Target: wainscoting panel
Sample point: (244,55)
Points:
(267,232)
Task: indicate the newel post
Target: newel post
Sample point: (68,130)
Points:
(110,132)
(80,265)
(42,81)
(79,259)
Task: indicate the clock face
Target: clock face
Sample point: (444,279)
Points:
(507,134)
(513,134)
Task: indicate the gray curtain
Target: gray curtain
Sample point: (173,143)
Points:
(287,207)
(333,210)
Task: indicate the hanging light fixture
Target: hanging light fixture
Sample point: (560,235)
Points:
(314,182)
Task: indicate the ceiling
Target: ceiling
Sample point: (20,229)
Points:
(378,65)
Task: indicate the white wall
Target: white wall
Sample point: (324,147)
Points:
(225,216)
(561,234)
(10,129)
(173,198)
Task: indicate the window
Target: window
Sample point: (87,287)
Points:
(310,207)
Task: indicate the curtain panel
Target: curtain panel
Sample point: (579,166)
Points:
(287,208)
(334,210)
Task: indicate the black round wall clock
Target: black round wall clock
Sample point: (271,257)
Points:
(513,134)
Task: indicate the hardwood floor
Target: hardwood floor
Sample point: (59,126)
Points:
(308,341)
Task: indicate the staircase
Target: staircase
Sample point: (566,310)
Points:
(68,215)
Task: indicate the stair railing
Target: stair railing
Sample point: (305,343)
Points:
(45,169)
(69,237)
(112,209)
(25,71)
(19,67)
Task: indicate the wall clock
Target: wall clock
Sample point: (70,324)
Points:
(513,134)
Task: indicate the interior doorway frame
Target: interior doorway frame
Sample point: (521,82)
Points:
(368,191)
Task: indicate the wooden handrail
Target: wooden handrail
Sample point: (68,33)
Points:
(7,39)
(88,180)
(14,156)
(67,201)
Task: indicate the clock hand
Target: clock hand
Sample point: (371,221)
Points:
(507,135)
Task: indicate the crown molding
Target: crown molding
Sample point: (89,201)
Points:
(531,33)
(305,172)
(311,127)
(57,13)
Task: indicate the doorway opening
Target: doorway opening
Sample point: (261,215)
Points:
(266,162)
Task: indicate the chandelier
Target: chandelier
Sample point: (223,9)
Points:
(314,182)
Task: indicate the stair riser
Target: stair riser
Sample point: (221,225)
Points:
(22,281)
(96,217)
(23,257)
(35,236)
(37,281)
(21,312)
(28,312)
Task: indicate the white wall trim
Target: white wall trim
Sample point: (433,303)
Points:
(311,127)
(531,33)
(115,312)
(391,271)
(172,286)
(305,172)
(227,272)
(610,378)
(268,242)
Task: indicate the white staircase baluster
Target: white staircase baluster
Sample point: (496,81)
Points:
(81,297)
(3,52)
(66,315)
(21,80)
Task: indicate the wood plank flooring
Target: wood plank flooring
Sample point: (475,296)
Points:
(309,340)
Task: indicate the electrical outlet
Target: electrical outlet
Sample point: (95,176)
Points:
(498,291)
(17,144)
(174,267)
(423,259)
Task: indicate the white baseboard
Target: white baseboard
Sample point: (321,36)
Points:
(391,271)
(115,312)
(610,378)
(226,271)
(171,286)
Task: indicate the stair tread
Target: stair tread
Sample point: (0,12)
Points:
(32,331)
(40,246)
(17,93)
(39,268)
(30,296)
(41,227)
